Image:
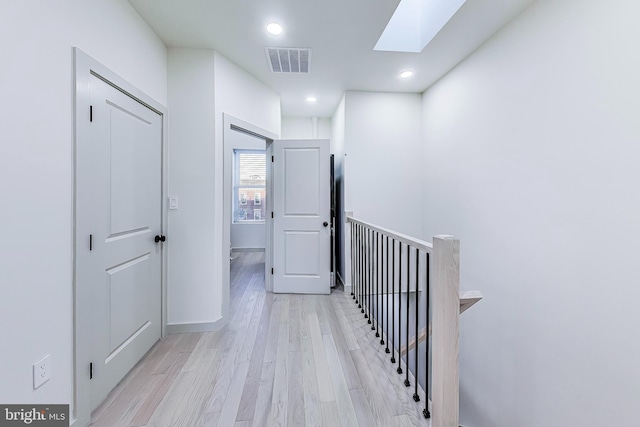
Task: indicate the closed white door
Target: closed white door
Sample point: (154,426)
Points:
(301,217)
(119,189)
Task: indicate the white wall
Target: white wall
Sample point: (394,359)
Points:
(248,236)
(244,97)
(384,160)
(191,292)
(203,85)
(36,164)
(532,148)
(303,128)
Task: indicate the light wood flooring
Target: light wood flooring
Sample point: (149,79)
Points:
(282,360)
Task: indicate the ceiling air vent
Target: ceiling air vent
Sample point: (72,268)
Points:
(289,60)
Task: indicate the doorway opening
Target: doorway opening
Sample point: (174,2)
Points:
(279,204)
(245,201)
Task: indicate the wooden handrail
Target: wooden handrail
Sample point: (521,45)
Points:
(399,237)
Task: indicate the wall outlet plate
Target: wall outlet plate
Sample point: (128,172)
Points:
(41,371)
(173,203)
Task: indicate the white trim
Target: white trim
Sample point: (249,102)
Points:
(268,243)
(347,287)
(179,328)
(84,67)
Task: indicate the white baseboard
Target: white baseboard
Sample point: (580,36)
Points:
(347,287)
(179,328)
(247,249)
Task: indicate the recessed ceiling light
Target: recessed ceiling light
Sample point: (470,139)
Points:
(406,74)
(312,99)
(274,28)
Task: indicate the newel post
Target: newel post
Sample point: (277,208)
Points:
(445,340)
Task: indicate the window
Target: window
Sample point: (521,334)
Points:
(249,186)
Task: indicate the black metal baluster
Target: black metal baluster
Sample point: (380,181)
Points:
(406,358)
(374,272)
(416,397)
(353,261)
(386,296)
(356,265)
(359,291)
(352,256)
(366,269)
(381,297)
(361,305)
(425,412)
(399,370)
(368,311)
(364,276)
(393,300)
(372,287)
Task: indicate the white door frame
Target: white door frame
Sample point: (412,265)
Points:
(268,244)
(227,168)
(85,67)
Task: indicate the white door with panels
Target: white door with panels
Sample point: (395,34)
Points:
(119,206)
(301,216)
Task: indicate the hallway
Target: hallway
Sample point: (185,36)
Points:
(284,360)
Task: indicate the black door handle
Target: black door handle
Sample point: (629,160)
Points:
(325,223)
(160,238)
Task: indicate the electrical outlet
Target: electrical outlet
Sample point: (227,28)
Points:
(41,371)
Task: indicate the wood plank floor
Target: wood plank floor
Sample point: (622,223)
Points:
(282,360)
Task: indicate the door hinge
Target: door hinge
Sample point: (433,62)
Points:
(271,214)
(90,371)
(90,242)
(271,159)
(271,270)
(90,113)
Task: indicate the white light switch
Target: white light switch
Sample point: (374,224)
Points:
(173,203)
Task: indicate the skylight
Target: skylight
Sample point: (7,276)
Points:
(415,23)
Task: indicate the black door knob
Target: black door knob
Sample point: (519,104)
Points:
(325,223)
(160,238)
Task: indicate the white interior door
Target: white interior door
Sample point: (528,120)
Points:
(119,185)
(301,217)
